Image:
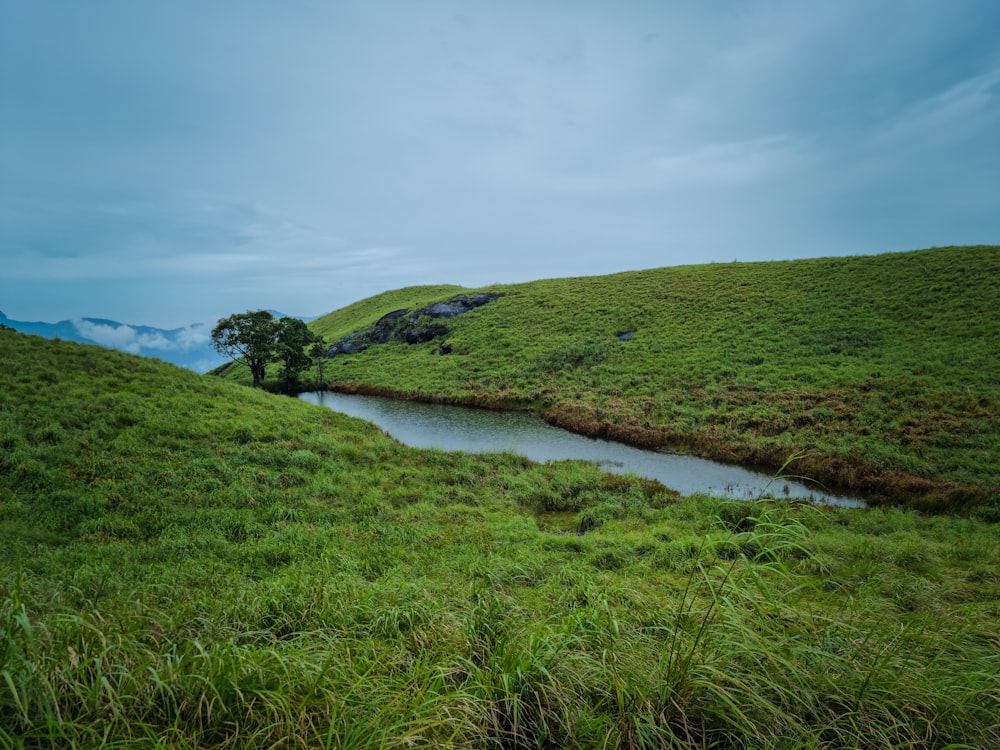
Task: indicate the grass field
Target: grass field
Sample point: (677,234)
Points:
(882,369)
(187,563)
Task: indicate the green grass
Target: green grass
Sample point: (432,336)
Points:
(339,323)
(880,370)
(187,563)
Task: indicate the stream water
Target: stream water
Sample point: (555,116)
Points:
(459,428)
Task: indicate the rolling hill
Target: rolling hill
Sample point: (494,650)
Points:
(190,563)
(879,371)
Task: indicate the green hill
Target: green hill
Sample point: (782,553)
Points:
(187,563)
(881,369)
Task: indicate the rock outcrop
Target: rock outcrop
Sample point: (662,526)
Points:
(413,327)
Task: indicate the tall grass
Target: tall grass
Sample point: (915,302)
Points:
(192,564)
(731,661)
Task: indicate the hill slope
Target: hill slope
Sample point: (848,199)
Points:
(882,369)
(187,563)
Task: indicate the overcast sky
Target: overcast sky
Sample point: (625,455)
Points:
(164,163)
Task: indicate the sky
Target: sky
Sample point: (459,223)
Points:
(170,163)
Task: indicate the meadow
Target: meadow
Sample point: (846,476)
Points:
(189,563)
(879,372)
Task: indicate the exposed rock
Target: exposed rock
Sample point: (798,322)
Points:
(410,326)
(386,325)
(457,306)
(347,345)
(420,335)
(627,336)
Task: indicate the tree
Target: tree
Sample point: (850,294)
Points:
(250,336)
(318,354)
(292,340)
(255,339)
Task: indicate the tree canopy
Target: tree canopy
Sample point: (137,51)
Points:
(255,339)
(292,348)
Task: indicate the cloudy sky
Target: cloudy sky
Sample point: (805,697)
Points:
(165,163)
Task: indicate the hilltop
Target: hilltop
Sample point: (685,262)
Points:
(880,369)
(191,563)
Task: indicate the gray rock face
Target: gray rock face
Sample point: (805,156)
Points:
(457,306)
(350,344)
(420,335)
(410,326)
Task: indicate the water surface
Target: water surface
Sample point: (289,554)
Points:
(459,428)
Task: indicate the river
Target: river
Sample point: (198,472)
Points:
(459,428)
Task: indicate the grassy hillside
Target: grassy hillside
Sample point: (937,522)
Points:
(339,323)
(882,369)
(188,564)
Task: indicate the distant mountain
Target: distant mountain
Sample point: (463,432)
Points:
(189,347)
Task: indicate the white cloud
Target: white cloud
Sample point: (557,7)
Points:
(128,339)
(122,337)
(197,334)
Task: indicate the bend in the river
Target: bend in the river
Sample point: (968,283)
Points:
(447,427)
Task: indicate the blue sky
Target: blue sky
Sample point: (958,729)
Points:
(166,163)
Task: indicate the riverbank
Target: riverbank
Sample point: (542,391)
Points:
(473,430)
(833,473)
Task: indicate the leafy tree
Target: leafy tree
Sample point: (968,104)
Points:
(255,339)
(251,336)
(291,343)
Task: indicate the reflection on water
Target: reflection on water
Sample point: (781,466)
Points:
(482,431)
